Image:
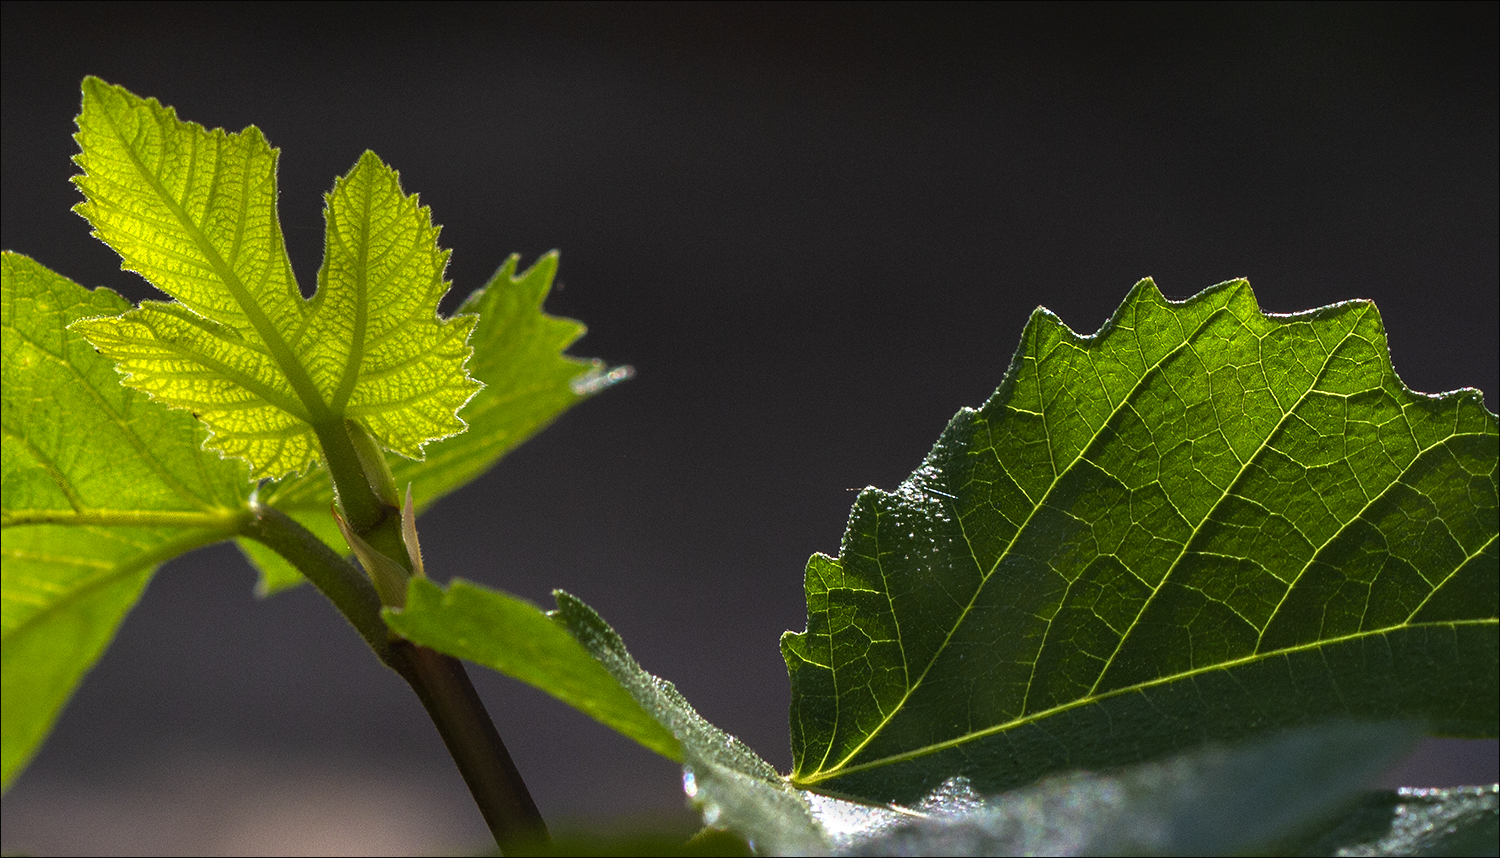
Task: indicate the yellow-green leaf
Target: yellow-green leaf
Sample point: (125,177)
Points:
(194,212)
(101,486)
(528,382)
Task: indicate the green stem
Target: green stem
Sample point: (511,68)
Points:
(376,522)
(345,586)
(438,680)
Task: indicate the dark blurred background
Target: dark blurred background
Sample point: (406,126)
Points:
(816,232)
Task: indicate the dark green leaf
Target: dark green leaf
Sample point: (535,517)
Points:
(1200,523)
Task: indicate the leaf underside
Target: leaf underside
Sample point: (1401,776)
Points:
(1201,523)
(194,212)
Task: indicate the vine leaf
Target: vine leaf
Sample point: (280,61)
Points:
(194,212)
(528,383)
(101,486)
(1200,523)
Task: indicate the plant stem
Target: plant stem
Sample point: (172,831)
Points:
(377,522)
(466,728)
(439,681)
(344,585)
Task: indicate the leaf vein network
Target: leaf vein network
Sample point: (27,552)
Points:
(1226,492)
(843,764)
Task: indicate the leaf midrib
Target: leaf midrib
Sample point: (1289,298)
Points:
(106,517)
(295,373)
(361,300)
(936,747)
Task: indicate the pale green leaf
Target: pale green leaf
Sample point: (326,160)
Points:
(1200,523)
(100,486)
(528,383)
(194,212)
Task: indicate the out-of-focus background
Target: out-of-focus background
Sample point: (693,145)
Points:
(816,232)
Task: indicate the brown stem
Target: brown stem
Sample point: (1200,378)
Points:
(438,680)
(445,690)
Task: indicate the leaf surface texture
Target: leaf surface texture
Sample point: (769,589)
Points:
(1200,523)
(194,212)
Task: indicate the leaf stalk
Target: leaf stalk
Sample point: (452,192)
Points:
(439,681)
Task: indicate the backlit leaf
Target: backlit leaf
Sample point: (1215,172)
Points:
(528,383)
(101,486)
(194,212)
(1200,523)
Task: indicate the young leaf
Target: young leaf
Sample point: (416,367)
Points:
(194,212)
(572,654)
(1200,523)
(528,383)
(101,486)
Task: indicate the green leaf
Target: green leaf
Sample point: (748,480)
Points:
(515,637)
(100,486)
(528,383)
(194,212)
(1200,523)
(572,654)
